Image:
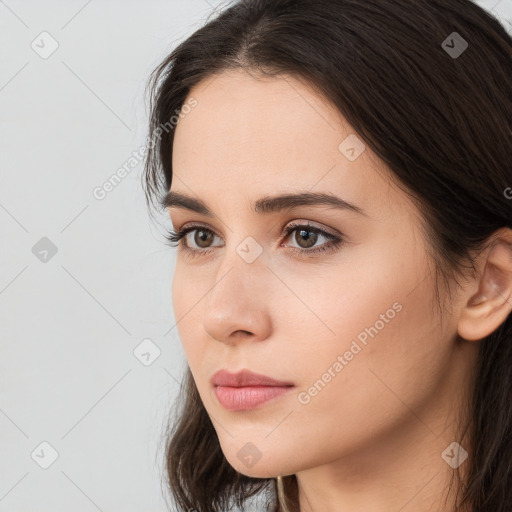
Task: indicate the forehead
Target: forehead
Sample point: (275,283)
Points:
(254,137)
(242,118)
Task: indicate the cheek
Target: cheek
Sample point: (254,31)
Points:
(385,360)
(186,302)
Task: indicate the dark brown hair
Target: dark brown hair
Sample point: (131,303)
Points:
(441,121)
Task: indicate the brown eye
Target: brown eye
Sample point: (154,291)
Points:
(308,236)
(306,240)
(203,237)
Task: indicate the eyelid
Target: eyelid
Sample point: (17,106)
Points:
(286,228)
(309,224)
(334,242)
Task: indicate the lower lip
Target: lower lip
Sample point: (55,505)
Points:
(244,399)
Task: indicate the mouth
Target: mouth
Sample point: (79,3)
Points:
(247,390)
(249,397)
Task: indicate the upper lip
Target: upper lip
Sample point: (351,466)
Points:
(244,378)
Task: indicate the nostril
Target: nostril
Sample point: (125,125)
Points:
(241,331)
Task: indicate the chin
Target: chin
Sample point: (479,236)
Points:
(260,472)
(260,469)
(257,457)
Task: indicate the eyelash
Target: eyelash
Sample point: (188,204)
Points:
(175,238)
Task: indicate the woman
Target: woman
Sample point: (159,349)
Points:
(338,176)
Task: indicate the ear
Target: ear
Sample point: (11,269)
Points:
(488,307)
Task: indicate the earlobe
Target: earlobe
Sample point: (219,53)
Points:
(489,307)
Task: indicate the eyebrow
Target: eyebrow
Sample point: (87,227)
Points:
(267,204)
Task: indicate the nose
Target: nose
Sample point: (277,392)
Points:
(236,308)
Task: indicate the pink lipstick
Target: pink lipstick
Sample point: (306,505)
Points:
(246,390)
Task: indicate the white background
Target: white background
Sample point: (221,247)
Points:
(69,325)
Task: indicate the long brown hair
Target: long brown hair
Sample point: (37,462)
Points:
(437,112)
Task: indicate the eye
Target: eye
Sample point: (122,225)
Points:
(306,237)
(202,237)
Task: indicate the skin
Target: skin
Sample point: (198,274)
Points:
(371,440)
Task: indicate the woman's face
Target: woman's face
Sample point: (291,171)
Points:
(354,328)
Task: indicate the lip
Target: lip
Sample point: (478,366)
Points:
(246,390)
(245,378)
